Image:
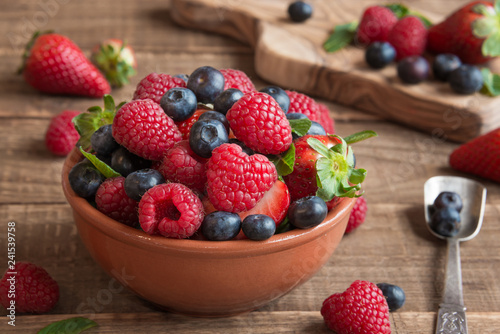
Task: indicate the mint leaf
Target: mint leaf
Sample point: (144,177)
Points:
(68,326)
(491,85)
(341,36)
(357,175)
(491,46)
(284,162)
(359,136)
(300,126)
(100,165)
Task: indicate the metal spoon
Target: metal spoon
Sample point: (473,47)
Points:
(451,316)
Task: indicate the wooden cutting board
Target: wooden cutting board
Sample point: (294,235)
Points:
(291,55)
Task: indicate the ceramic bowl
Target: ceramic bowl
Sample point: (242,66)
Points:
(205,278)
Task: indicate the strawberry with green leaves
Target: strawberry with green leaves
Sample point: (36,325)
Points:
(472,33)
(116,60)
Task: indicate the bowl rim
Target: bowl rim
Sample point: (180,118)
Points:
(138,238)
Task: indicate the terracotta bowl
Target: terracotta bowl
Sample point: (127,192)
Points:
(205,278)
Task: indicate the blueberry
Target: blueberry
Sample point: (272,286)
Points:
(182,76)
(102,141)
(307,212)
(445,222)
(206,82)
(225,100)
(299,11)
(215,115)
(394,295)
(279,95)
(413,69)
(140,181)
(244,148)
(125,162)
(258,227)
(466,79)
(444,64)
(85,179)
(206,135)
(221,225)
(296,115)
(448,199)
(380,54)
(179,103)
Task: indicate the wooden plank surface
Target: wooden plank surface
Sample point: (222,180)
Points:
(343,77)
(393,245)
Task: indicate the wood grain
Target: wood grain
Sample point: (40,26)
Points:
(291,55)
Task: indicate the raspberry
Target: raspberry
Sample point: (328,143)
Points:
(361,309)
(237,79)
(155,85)
(112,200)
(61,135)
(325,120)
(408,37)
(358,215)
(170,209)
(236,181)
(35,291)
(185,126)
(375,24)
(258,121)
(144,129)
(181,165)
(303,104)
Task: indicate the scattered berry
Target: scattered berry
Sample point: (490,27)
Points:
(448,199)
(358,215)
(444,64)
(237,79)
(170,209)
(85,179)
(299,11)
(206,82)
(279,95)
(112,200)
(221,225)
(36,292)
(394,295)
(102,141)
(155,85)
(408,37)
(61,135)
(467,79)
(138,182)
(258,227)
(206,135)
(125,162)
(380,54)
(179,103)
(116,60)
(413,69)
(445,222)
(225,100)
(307,212)
(361,309)
(375,25)
(144,129)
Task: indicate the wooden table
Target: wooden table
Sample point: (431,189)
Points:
(392,246)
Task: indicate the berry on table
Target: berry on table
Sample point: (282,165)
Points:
(225,100)
(380,54)
(466,79)
(448,199)
(85,179)
(36,291)
(444,64)
(116,60)
(375,25)
(258,227)
(125,162)
(279,95)
(446,222)
(408,37)
(299,11)
(140,181)
(206,135)
(413,69)
(179,103)
(358,215)
(307,212)
(206,82)
(112,200)
(102,141)
(394,295)
(155,85)
(221,225)
(61,135)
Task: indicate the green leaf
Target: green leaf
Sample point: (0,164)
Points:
(109,103)
(491,46)
(341,36)
(401,11)
(491,85)
(68,326)
(284,226)
(300,126)
(100,165)
(320,148)
(357,175)
(359,136)
(284,162)
(350,157)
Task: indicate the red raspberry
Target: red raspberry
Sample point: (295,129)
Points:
(35,291)
(185,126)
(61,135)
(144,129)
(112,200)
(170,209)
(237,79)
(358,215)
(236,181)
(181,165)
(408,37)
(155,85)
(375,25)
(258,121)
(325,120)
(361,309)
(303,104)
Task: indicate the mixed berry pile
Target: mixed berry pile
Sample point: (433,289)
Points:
(208,156)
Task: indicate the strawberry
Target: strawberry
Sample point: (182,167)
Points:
(185,126)
(480,156)
(375,24)
(471,33)
(116,60)
(408,37)
(61,135)
(54,64)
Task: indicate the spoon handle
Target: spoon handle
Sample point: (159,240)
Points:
(451,315)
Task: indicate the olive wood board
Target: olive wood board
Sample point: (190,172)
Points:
(291,56)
